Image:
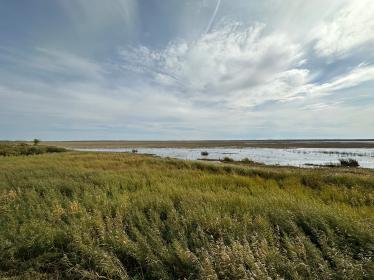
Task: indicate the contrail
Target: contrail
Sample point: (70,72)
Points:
(209,27)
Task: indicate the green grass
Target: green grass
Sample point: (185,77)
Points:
(129,216)
(22,149)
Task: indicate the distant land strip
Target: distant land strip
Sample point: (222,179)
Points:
(276,144)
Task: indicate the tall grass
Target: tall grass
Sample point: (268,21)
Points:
(128,216)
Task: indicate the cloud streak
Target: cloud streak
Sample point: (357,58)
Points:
(213,18)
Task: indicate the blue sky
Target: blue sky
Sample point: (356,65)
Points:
(194,69)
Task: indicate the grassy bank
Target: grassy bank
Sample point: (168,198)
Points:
(125,216)
(22,149)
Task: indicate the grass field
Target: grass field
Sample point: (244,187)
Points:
(126,216)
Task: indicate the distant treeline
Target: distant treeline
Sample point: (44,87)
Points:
(26,150)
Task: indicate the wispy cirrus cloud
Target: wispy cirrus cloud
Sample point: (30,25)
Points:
(356,76)
(94,14)
(351,27)
(230,62)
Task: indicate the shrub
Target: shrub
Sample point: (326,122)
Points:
(52,149)
(228,159)
(247,160)
(33,151)
(349,162)
(26,150)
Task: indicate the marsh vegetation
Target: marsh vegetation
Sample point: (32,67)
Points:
(23,149)
(130,216)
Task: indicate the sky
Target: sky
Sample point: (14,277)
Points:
(183,70)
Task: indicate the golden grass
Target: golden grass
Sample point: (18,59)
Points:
(126,216)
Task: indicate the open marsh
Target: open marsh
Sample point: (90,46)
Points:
(299,157)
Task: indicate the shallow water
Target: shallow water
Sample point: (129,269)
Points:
(289,157)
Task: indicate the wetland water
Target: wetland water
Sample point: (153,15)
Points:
(288,157)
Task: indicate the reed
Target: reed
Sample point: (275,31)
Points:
(129,216)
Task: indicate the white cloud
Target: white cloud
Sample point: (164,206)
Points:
(232,62)
(358,75)
(351,27)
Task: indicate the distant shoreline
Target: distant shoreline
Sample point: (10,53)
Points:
(276,144)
